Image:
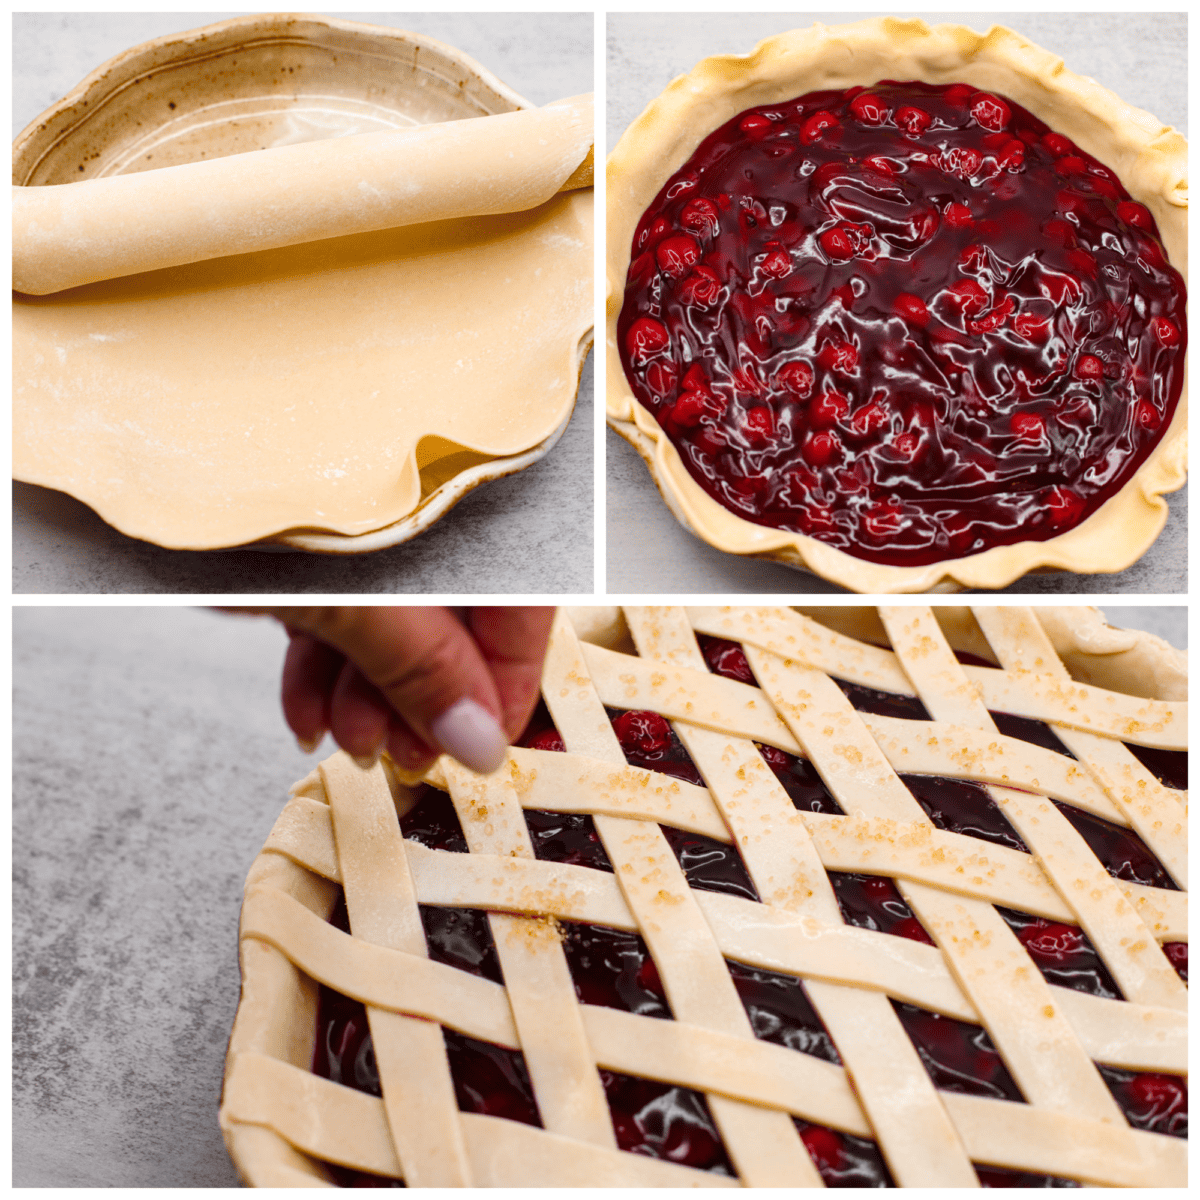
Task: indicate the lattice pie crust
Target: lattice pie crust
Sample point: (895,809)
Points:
(340,828)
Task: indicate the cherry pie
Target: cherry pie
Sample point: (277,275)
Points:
(766,896)
(910,322)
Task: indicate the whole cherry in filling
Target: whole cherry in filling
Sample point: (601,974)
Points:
(910,321)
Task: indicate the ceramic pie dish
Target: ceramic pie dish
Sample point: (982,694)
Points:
(360,333)
(765,896)
(853,436)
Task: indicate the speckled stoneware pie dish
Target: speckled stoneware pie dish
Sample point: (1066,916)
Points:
(755,405)
(262,82)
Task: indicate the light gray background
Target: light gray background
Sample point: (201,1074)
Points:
(1140,56)
(528,533)
(150,762)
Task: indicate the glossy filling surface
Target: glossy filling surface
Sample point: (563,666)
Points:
(614,968)
(909,321)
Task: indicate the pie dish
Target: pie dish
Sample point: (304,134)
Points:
(294,407)
(813,365)
(851,897)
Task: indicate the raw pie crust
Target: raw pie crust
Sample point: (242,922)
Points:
(1150,160)
(305,386)
(340,827)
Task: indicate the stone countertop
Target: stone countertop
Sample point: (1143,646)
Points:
(153,759)
(150,762)
(1140,56)
(528,533)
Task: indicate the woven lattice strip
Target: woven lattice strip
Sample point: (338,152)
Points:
(561,1065)
(336,1124)
(1114,1032)
(382,905)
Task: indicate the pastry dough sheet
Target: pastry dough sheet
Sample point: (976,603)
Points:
(78,233)
(224,401)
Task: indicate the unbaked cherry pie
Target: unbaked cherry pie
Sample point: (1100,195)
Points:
(910,321)
(855,898)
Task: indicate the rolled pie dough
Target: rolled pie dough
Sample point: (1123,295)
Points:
(262,340)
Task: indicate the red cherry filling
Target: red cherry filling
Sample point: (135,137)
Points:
(642,734)
(842,1159)
(910,321)
(548,739)
(1150,1101)
(664,1122)
(1063,954)
(1169,767)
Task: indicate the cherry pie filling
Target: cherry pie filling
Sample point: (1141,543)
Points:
(909,321)
(614,968)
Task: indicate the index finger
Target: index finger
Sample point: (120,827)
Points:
(513,640)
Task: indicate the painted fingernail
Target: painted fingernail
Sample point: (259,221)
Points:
(308,745)
(470,733)
(367,761)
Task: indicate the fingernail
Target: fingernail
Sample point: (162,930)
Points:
(470,733)
(308,745)
(367,761)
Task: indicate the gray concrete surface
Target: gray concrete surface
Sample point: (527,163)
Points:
(150,761)
(1140,56)
(530,533)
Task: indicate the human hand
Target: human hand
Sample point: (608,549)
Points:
(414,680)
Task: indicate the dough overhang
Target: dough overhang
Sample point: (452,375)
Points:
(224,401)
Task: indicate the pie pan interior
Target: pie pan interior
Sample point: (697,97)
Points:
(257,82)
(1150,159)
